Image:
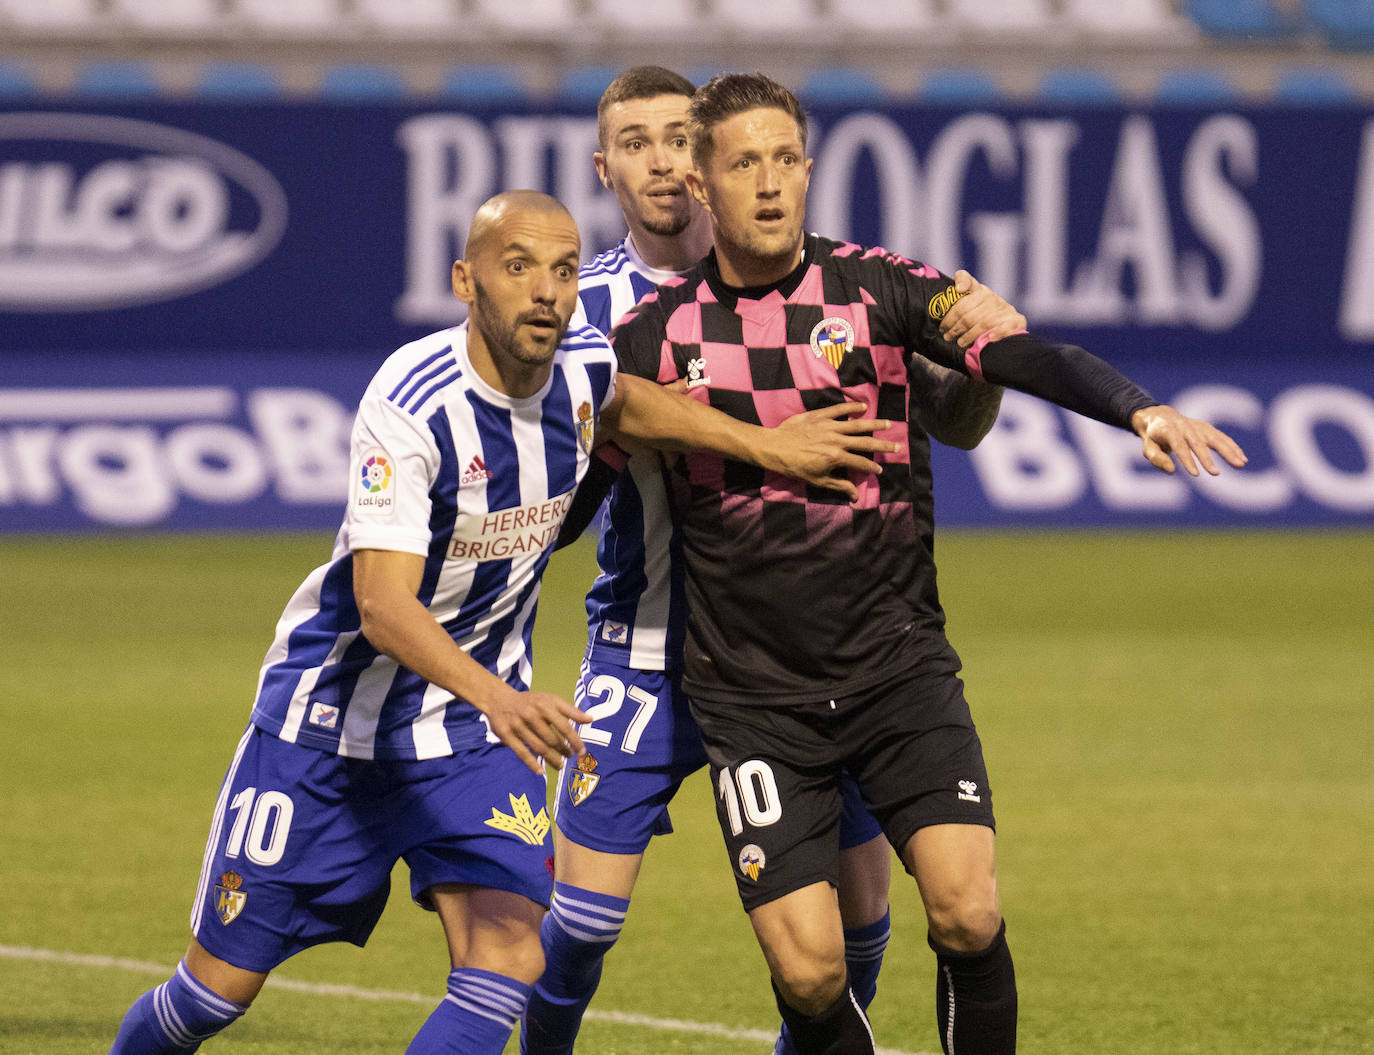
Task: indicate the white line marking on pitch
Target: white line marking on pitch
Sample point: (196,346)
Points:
(715,1029)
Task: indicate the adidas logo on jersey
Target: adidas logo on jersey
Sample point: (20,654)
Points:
(476,471)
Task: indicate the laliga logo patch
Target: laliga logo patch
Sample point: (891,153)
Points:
(229,899)
(584,781)
(586,426)
(376,474)
(832,339)
(374,483)
(752,861)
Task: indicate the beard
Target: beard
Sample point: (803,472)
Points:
(669,228)
(506,337)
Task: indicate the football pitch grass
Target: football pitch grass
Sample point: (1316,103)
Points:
(1179,729)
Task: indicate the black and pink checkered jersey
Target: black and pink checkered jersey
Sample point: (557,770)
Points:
(795,594)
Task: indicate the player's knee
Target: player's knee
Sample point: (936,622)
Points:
(520,957)
(966,924)
(810,983)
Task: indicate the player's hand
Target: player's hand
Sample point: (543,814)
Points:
(979,311)
(536,726)
(819,444)
(1163,431)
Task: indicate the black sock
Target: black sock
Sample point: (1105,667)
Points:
(841,1029)
(975,999)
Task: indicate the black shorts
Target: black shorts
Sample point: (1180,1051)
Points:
(909,744)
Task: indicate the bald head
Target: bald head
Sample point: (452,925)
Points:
(498,211)
(518,278)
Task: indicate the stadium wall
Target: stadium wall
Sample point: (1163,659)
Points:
(193,295)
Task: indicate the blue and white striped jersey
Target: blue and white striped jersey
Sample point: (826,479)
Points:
(636,608)
(478,483)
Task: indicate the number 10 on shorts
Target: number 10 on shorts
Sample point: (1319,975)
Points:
(749,793)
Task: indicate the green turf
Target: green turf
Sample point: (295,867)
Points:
(1179,729)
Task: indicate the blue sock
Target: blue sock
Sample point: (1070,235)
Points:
(475,1017)
(579,929)
(174,1018)
(863,956)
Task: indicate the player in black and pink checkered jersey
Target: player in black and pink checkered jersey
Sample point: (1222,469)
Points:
(814,645)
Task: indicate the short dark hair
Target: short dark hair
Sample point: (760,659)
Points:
(735,93)
(639,82)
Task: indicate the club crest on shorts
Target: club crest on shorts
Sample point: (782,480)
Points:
(585,427)
(832,339)
(522,821)
(229,899)
(752,861)
(584,780)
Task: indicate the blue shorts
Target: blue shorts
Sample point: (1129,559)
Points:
(303,842)
(641,746)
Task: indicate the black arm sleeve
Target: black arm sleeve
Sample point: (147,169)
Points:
(1067,375)
(587,499)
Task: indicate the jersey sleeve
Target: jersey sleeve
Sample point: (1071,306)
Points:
(1060,373)
(392,465)
(640,339)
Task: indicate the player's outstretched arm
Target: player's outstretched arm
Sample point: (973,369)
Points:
(535,725)
(819,446)
(1163,431)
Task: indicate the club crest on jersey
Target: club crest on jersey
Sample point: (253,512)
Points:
(522,821)
(752,861)
(229,899)
(586,426)
(583,780)
(832,339)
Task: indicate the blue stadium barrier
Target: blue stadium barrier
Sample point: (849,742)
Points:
(960,86)
(1200,86)
(1314,87)
(484,84)
(1345,23)
(239,80)
(1256,20)
(117,80)
(841,86)
(361,82)
(583,85)
(16,81)
(1077,87)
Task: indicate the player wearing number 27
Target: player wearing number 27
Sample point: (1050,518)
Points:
(393,717)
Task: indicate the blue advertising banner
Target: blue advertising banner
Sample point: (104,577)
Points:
(193,296)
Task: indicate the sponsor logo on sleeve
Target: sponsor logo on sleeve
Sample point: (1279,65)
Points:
(940,304)
(968,791)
